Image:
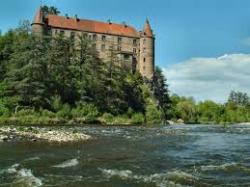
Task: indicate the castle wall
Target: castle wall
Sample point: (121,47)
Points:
(127,48)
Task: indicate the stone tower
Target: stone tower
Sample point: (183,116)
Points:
(38,23)
(147,45)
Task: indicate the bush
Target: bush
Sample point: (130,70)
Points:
(47,113)
(137,118)
(108,118)
(25,112)
(65,112)
(85,110)
(56,103)
(3,109)
(153,115)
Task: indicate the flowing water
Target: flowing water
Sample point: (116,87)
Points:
(195,155)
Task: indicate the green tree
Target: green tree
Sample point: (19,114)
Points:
(161,93)
(50,10)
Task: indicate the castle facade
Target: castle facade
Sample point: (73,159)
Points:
(135,48)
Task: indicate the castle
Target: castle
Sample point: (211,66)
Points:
(136,49)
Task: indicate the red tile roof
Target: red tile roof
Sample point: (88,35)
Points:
(91,26)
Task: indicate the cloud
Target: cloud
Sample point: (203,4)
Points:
(210,78)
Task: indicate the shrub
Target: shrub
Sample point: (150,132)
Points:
(108,118)
(85,110)
(65,111)
(56,103)
(25,112)
(3,109)
(137,118)
(47,113)
(153,115)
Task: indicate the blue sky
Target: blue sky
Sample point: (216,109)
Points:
(185,30)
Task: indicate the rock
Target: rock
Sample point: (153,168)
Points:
(180,121)
(5,138)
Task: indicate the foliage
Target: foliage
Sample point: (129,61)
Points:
(137,118)
(235,110)
(50,10)
(161,93)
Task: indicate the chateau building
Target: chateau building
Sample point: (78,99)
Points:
(136,49)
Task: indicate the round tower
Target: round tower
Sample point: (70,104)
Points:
(147,51)
(38,24)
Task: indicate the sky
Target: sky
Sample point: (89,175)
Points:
(203,46)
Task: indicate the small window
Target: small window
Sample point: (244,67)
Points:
(103,38)
(90,36)
(119,48)
(62,32)
(103,47)
(94,37)
(72,36)
(94,46)
(55,31)
(144,59)
(119,40)
(134,50)
(134,42)
(126,56)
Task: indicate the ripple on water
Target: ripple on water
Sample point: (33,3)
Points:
(21,176)
(173,178)
(67,163)
(227,167)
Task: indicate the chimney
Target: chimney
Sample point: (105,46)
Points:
(109,21)
(76,18)
(124,24)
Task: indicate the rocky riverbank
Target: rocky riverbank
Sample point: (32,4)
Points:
(56,135)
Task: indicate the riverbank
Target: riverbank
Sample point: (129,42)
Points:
(41,134)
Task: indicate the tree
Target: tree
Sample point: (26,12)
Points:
(239,98)
(50,10)
(161,93)
(27,76)
(210,111)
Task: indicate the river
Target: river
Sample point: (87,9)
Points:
(190,155)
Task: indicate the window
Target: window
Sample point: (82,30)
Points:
(119,48)
(144,59)
(94,46)
(134,50)
(134,42)
(90,36)
(126,56)
(103,38)
(62,32)
(119,40)
(72,36)
(103,47)
(94,37)
(55,31)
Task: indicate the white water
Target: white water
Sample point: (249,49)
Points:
(22,176)
(67,163)
(159,179)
